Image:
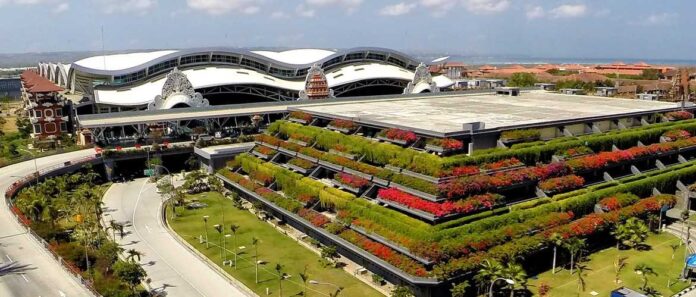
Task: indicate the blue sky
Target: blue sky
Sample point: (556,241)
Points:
(541,28)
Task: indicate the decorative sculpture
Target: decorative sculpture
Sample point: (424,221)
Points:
(316,85)
(422,82)
(177,89)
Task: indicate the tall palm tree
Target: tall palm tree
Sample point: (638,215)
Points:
(304,276)
(645,271)
(234,229)
(581,277)
(489,271)
(556,240)
(516,273)
(619,265)
(255,243)
(133,254)
(281,276)
(574,245)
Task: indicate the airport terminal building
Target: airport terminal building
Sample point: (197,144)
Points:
(123,82)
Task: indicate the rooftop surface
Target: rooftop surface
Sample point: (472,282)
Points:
(448,113)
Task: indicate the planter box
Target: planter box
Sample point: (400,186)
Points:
(301,121)
(416,212)
(298,142)
(357,173)
(429,178)
(342,154)
(331,165)
(518,140)
(308,158)
(346,187)
(342,130)
(394,141)
(287,151)
(391,245)
(300,169)
(260,155)
(380,181)
(266,145)
(434,148)
(393,168)
(415,192)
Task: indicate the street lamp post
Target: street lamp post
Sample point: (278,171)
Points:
(205,227)
(338,288)
(224,247)
(507,280)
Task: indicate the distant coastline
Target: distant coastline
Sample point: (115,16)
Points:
(503,60)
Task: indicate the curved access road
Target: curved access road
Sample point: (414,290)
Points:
(37,272)
(172,267)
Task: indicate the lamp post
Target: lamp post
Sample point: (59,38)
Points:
(338,288)
(218,228)
(205,228)
(224,247)
(507,280)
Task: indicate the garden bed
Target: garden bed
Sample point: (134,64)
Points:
(415,192)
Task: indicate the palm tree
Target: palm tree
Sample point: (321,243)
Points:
(304,276)
(619,265)
(335,293)
(459,290)
(574,245)
(489,271)
(255,243)
(133,254)
(281,277)
(645,271)
(557,240)
(631,233)
(516,273)
(581,277)
(234,229)
(674,249)
(652,218)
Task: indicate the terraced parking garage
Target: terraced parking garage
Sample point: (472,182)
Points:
(420,212)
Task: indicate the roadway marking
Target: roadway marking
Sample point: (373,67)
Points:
(25,278)
(148,229)
(8,258)
(61,294)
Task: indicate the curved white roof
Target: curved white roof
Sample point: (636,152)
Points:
(297,56)
(120,61)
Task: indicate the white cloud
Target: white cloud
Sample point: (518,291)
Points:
(304,11)
(535,12)
(349,5)
(439,7)
(279,15)
(218,7)
(397,9)
(486,6)
(660,18)
(569,11)
(127,6)
(62,7)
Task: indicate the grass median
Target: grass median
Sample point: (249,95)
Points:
(600,274)
(273,248)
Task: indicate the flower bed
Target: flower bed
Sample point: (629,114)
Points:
(677,134)
(617,201)
(398,135)
(519,135)
(261,177)
(301,163)
(442,145)
(502,164)
(679,115)
(351,180)
(264,152)
(562,184)
(385,253)
(574,152)
(440,209)
(345,126)
(300,117)
(317,219)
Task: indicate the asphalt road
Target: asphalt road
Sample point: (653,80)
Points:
(171,266)
(40,275)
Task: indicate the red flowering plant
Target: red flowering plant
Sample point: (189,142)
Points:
(610,203)
(301,116)
(265,138)
(574,152)
(446,143)
(463,171)
(440,209)
(351,180)
(399,134)
(679,115)
(265,150)
(385,253)
(301,137)
(261,177)
(676,134)
(343,124)
(562,184)
(502,164)
(314,217)
(306,198)
(340,148)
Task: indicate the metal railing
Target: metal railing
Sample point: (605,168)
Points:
(24,222)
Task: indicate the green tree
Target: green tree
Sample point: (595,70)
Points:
(631,233)
(516,273)
(330,254)
(557,241)
(130,273)
(488,271)
(133,254)
(619,264)
(522,79)
(255,243)
(281,276)
(581,277)
(304,276)
(644,270)
(23,126)
(574,245)
(234,228)
(459,290)
(401,291)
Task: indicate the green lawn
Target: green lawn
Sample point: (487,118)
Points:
(273,248)
(600,277)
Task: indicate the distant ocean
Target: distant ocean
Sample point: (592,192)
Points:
(503,60)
